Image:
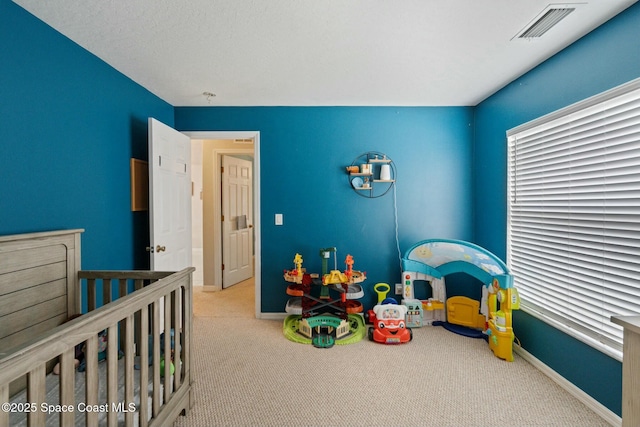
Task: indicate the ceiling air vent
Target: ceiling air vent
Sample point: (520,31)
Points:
(548,18)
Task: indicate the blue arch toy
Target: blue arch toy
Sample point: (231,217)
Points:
(433,259)
(440,257)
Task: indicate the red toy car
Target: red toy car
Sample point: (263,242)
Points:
(390,326)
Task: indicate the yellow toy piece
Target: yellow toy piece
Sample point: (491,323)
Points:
(295,275)
(500,327)
(382,289)
(297,261)
(350,276)
(335,277)
(465,312)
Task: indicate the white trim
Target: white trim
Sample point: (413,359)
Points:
(274,316)
(255,135)
(604,412)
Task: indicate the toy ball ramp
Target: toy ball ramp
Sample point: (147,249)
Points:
(438,258)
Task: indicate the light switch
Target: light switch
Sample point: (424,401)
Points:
(279,219)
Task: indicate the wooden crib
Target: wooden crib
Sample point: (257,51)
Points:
(41,287)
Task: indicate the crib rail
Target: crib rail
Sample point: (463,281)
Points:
(112,285)
(138,306)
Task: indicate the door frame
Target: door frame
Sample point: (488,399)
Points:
(255,135)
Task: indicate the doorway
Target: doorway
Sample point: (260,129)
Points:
(214,145)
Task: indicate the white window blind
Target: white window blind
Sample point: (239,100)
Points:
(574,215)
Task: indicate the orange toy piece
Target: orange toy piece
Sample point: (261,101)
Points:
(353,306)
(349,263)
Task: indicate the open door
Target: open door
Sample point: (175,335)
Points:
(237,220)
(169,197)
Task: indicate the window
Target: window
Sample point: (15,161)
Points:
(573,238)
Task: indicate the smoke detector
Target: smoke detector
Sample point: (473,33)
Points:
(547,19)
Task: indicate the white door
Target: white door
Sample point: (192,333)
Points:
(169,197)
(237,220)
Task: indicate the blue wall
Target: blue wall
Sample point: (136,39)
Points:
(303,153)
(605,58)
(70,124)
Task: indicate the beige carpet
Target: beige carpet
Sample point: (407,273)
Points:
(248,374)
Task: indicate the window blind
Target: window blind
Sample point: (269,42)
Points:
(574,215)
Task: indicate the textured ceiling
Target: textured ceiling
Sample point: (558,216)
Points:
(330,52)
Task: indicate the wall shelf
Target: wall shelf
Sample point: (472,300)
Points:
(370,183)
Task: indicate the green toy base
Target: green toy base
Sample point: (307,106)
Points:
(356,326)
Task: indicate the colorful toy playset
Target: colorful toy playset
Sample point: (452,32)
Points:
(318,317)
(431,260)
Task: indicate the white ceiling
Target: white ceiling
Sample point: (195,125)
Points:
(325,53)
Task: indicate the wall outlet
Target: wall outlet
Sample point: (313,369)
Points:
(398,288)
(279,219)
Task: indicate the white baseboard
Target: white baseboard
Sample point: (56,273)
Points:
(608,415)
(273,316)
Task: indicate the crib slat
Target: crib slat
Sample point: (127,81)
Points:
(128,369)
(173,309)
(122,289)
(144,366)
(112,373)
(36,393)
(4,397)
(177,322)
(67,380)
(137,285)
(122,285)
(91,294)
(106,291)
(187,307)
(167,349)
(156,358)
(91,378)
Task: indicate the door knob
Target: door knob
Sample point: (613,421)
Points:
(160,248)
